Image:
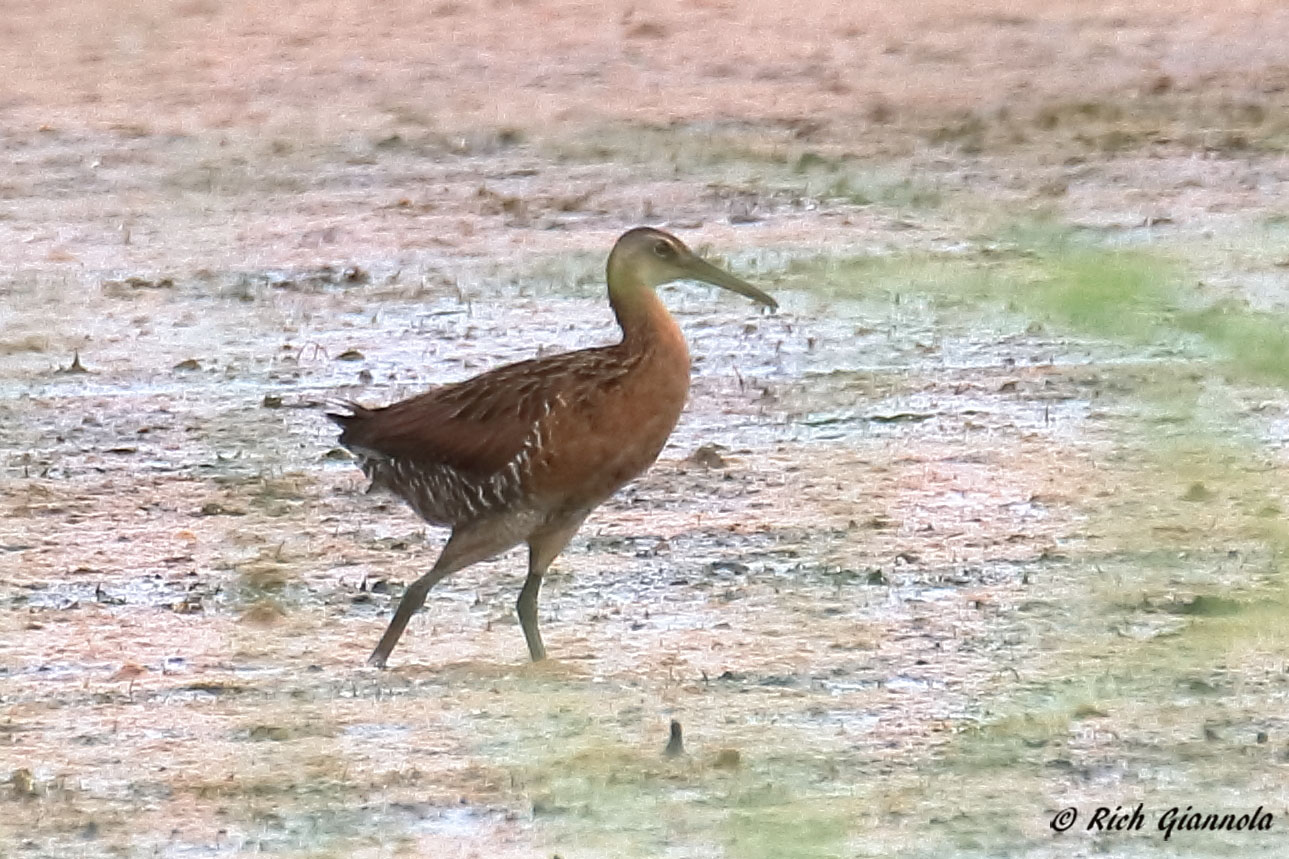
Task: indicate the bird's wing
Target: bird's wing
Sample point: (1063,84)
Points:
(477,426)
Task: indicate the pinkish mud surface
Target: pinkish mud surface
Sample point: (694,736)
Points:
(896,607)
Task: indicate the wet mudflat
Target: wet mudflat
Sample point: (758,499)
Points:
(985,523)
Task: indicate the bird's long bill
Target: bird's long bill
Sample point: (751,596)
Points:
(702,270)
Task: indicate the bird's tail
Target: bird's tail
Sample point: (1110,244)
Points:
(350,417)
(345,412)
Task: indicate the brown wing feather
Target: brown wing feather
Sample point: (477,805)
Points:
(480,425)
(431,429)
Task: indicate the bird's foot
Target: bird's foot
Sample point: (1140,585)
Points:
(377,660)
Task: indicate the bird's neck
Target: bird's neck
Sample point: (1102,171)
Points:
(644,319)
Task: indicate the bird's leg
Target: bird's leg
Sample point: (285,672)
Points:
(465,547)
(527,609)
(413,599)
(543,546)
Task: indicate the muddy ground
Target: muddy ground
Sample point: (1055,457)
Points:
(985,523)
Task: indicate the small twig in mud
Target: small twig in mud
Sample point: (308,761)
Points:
(74,368)
(317,348)
(675,743)
(901,417)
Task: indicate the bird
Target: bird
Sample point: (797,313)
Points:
(524,452)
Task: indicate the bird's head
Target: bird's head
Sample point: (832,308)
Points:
(651,257)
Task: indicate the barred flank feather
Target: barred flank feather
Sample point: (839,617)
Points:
(460,452)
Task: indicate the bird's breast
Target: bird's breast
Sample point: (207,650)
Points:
(607,434)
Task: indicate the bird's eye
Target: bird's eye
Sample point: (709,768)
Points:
(664,250)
